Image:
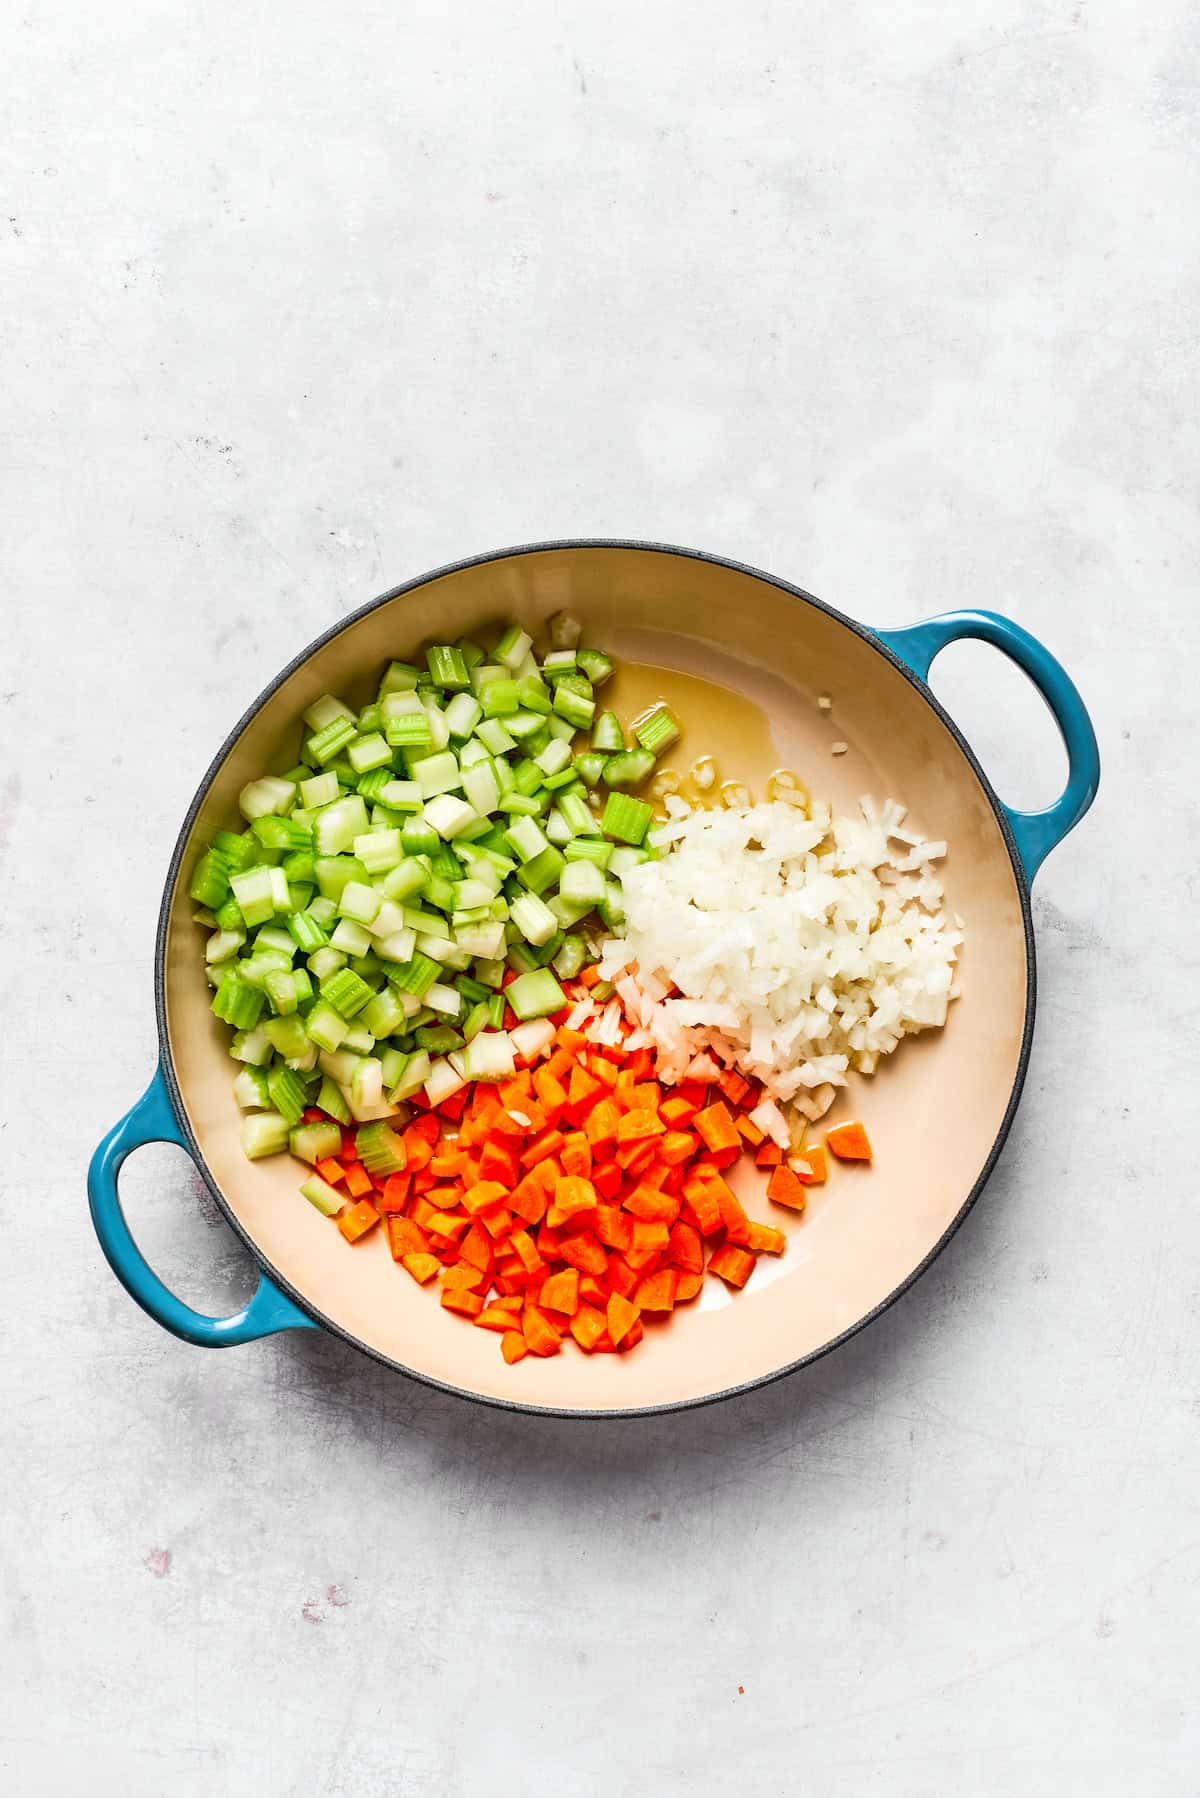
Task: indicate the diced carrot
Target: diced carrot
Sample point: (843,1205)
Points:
(420,1210)
(603,1069)
(417,1150)
(356,1220)
(687,1286)
(561,1292)
(685,1249)
(484,1197)
(552,1095)
(405,1237)
(733,1265)
(587,1327)
(678,1112)
(751,1132)
(588,976)
(492,1317)
(635,1158)
(528,1199)
(700,1196)
(649,1239)
(812,1166)
(785,1188)
(524,1244)
(733,1213)
(540,1335)
(577,1155)
(497,1222)
(313,1115)
(657,1291)
(457,1298)
(444,1223)
(621,1316)
(573,1195)
(583,1091)
(677,1146)
(765,1239)
(330,1170)
(592,1291)
(498,1162)
(717,1128)
(349,1146)
(549,1143)
(422,1267)
(585,1253)
(394,1196)
(769,1155)
(447,1164)
(655,1175)
(476,1247)
(632,1336)
(647,1203)
(849,1142)
(732,1086)
(602,1123)
(454,1106)
(639,1126)
(621,1277)
(674,1178)
(607,1181)
(462,1274)
(613,1228)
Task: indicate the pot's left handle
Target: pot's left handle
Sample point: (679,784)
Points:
(153,1120)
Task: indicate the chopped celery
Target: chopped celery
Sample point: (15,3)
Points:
(582,882)
(331,1099)
(608,738)
(590,767)
(327,1199)
(570,958)
(536,994)
(263,1133)
(346,992)
(447,668)
(250,1090)
(380,1150)
(629,769)
(542,871)
(626,818)
(287,1093)
(565,631)
(573,705)
(270,794)
(210,880)
(595,664)
(322,789)
(657,730)
(513,647)
(534,919)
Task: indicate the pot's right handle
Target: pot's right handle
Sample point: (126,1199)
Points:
(153,1120)
(1036,833)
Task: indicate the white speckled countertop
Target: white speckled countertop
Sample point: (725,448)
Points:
(899,303)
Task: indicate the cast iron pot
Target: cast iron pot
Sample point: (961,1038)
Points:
(938,1115)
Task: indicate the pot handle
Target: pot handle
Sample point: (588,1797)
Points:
(1035,833)
(152,1119)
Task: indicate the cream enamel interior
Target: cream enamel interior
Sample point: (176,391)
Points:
(933,1114)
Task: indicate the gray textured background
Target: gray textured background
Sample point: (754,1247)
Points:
(900,302)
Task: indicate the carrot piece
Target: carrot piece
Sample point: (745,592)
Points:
(552,1095)
(498,1162)
(635,1158)
(786,1188)
(573,1195)
(446,1225)
(751,1132)
(528,1199)
(493,1318)
(685,1249)
(656,1292)
(613,1228)
(607,1180)
(577,1155)
(582,1092)
(422,1267)
(639,1126)
(717,1128)
(621,1277)
(584,1253)
(587,1327)
(701,1195)
(394,1196)
(770,1155)
(649,1239)
(733,1213)
(732,1086)
(592,1291)
(813,1166)
(603,1070)
(513,1346)
(588,976)
(476,1247)
(678,1112)
(561,1292)
(420,1210)
(655,1175)
(417,1149)
(524,1244)
(649,1204)
(448,1164)
(349,1151)
(405,1237)
(484,1196)
(765,1239)
(356,1220)
(849,1142)
(733,1265)
(540,1335)
(330,1170)
(457,1298)
(497,1223)
(602,1123)
(549,1143)
(687,1286)
(677,1146)
(632,1336)
(621,1316)
(462,1274)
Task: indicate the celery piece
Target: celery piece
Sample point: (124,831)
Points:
(629,769)
(582,882)
(492,734)
(658,730)
(578,815)
(523,725)
(287,1093)
(527,777)
(368,753)
(252,1046)
(338,824)
(322,789)
(481,787)
(449,815)
(350,938)
(557,829)
(327,1199)
(625,818)
(238,849)
(526,838)
(360,903)
(299,869)
(438,773)
(223,944)
(535,994)
(513,647)
(447,668)
(280,988)
(416,976)
(570,958)
(270,794)
(558,663)
(250,1090)
(366,1087)
(500,699)
(566,780)
(533,919)
(595,664)
(400,677)
(405,880)
(281,833)
(314,1142)
(210,880)
(325,710)
(379,850)
(533,694)
(384,1014)
(490,1057)
(608,738)
(588,849)
(590,766)
(264,1133)
(380,1150)
(542,871)
(346,992)
(564,631)
(612,907)
(554,757)
(477,1019)
(289,1036)
(439,1038)
(447,1001)
(328,742)
(237,1003)
(470,652)
(324,963)
(331,1099)
(462,715)
(401,796)
(409,730)
(334,873)
(574,707)
(255,896)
